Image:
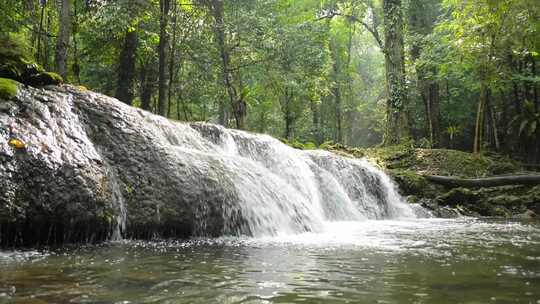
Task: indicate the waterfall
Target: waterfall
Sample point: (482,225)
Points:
(284,190)
(147,176)
(117,199)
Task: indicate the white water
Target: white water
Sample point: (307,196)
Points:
(285,191)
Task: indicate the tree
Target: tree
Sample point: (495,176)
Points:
(62,40)
(163,80)
(126,68)
(422,16)
(397,126)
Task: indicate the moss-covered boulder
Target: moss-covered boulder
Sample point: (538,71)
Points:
(506,201)
(8,88)
(16,63)
(45,78)
(411,183)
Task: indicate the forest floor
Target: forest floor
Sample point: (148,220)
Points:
(408,166)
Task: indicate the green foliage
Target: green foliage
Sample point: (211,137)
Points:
(310,70)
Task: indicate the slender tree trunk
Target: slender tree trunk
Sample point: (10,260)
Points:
(427,106)
(316,122)
(236,101)
(223,114)
(287,113)
(172,58)
(164,6)
(126,68)
(434,114)
(147,85)
(336,92)
(47,45)
(76,68)
(492,126)
(39,54)
(62,40)
(480,118)
(537,110)
(397,126)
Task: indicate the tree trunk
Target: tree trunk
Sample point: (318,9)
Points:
(287,113)
(480,118)
(172,73)
(493,122)
(164,6)
(317,136)
(434,114)
(39,53)
(147,85)
(126,68)
(62,39)
(76,68)
(236,100)
(47,45)
(336,93)
(397,127)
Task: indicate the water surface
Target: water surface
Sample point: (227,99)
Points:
(416,261)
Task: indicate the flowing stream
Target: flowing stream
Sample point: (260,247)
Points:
(370,261)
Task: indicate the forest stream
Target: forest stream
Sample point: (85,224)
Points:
(420,261)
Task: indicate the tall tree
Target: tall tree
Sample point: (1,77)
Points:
(397,126)
(126,67)
(422,16)
(163,82)
(62,39)
(236,92)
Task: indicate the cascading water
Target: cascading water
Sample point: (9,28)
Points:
(144,175)
(285,190)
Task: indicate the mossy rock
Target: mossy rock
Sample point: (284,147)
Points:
(458,196)
(45,78)
(8,88)
(16,59)
(16,63)
(409,182)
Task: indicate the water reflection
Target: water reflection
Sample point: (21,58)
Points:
(427,261)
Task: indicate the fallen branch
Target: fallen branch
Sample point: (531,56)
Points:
(484,182)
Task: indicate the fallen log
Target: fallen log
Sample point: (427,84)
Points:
(484,182)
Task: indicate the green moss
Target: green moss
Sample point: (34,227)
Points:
(8,88)
(299,145)
(458,196)
(440,161)
(16,58)
(16,63)
(45,78)
(410,183)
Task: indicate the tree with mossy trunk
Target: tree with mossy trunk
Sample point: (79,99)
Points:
(397,127)
(62,39)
